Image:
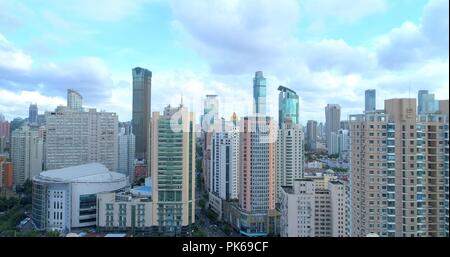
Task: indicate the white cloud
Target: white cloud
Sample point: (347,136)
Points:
(344,10)
(108,10)
(410,45)
(14,104)
(237,38)
(248,33)
(13,59)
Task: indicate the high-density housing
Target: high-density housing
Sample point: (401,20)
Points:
(310,210)
(26,153)
(225,163)
(6,173)
(258,173)
(208,121)
(398,171)
(173,169)
(125,153)
(75,138)
(290,154)
(66,198)
(74,100)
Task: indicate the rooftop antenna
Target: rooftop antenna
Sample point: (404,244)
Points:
(181,99)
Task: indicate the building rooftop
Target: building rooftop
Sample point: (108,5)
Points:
(92,172)
(288,189)
(115,235)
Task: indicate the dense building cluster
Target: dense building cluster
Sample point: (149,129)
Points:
(382,172)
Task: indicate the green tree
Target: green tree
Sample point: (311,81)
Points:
(199,233)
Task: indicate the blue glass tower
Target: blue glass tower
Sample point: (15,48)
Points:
(287,106)
(370,100)
(259,93)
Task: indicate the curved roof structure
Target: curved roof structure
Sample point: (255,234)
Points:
(285,89)
(91,172)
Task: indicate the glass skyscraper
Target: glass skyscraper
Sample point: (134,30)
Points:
(287,106)
(142,80)
(427,104)
(259,93)
(74,100)
(370,100)
(421,101)
(32,113)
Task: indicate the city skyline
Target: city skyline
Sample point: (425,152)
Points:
(306,53)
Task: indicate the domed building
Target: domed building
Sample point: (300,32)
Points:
(67,198)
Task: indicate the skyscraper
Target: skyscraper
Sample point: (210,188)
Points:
(173,169)
(258,173)
(75,138)
(208,122)
(259,93)
(225,159)
(311,135)
(429,105)
(210,112)
(126,144)
(421,101)
(443,108)
(32,114)
(320,131)
(74,100)
(5,128)
(289,155)
(26,154)
(370,100)
(288,106)
(142,81)
(332,124)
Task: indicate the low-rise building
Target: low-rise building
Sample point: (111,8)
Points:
(66,198)
(215,204)
(125,211)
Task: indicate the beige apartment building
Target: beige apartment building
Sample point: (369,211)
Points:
(369,172)
(398,171)
(172,161)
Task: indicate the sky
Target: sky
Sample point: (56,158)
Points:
(328,51)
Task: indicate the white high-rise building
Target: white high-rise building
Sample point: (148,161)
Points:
(126,143)
(75,138)
(74,100)
(26,154)
(289,155)
(310,211)
(224,168)
(332,125)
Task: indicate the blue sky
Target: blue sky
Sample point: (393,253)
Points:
(328,51)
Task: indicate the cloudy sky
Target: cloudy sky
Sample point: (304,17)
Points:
(328,51)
